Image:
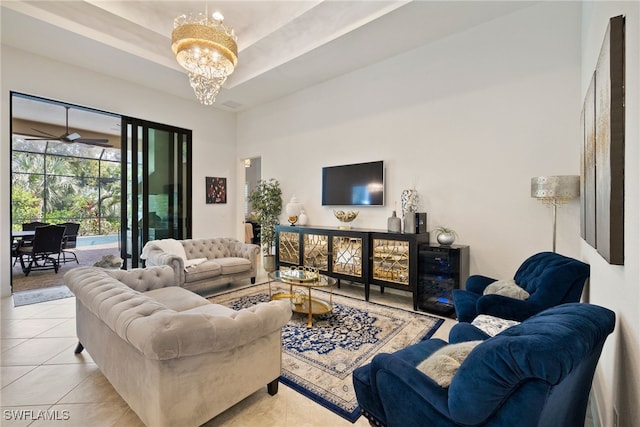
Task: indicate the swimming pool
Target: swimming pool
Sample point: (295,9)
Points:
(97,240)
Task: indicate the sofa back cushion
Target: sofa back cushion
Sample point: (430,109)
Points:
(219,247)
(552,279)
(145,279)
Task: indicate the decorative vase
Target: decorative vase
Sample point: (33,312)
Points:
(410,223)
(269,263)
(302,218)
(394,224)
(293,209)
(445,239)
(409,201)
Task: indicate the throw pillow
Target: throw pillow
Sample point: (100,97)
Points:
(443,364)
(492,325)
(507,288)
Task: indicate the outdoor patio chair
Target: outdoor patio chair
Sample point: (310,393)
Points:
(30,226)
(15,245)
(69,241)
(44,251)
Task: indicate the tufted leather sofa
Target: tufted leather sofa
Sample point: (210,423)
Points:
(173,356)
(223,260)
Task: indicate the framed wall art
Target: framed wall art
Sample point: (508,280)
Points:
(602,169)
(216,190)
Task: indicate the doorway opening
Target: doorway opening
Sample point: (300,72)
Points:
(69,166)
(252,174)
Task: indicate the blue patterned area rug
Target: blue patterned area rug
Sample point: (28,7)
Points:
(318,362)
(41,295)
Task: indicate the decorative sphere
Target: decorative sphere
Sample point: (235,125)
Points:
(445,239)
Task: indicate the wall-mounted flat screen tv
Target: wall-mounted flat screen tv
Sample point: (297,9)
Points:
(360,184)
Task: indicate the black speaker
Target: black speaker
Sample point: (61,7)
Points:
(421,222)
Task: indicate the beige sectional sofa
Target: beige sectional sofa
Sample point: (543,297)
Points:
(201,264)
(173,356)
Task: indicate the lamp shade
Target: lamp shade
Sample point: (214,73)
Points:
(558,187)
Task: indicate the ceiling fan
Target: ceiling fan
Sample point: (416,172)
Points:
(70,138)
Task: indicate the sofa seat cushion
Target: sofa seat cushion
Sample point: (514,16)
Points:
(177,298)
(212,310)
(233,265)
(204,270)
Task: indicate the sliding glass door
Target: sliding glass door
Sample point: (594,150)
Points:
(157,185)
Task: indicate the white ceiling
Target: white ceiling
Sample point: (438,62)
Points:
(284,46)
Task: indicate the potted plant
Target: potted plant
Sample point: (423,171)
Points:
(445,236)
(266,200)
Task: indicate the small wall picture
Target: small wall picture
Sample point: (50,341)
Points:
(216,190)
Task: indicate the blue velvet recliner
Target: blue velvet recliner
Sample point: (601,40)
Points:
(550,279)
(537,373)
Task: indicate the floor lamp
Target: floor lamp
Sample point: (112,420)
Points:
(554,191)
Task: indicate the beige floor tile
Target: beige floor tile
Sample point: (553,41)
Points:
(93,389)
(66,329)
(87,414)
(258,409)
(36,351)
(27,328)
(45,385)
(60,310)
(11,373)
(6,344)
(68,356)
(24,312)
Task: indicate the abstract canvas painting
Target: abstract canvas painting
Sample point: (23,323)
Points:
(602,166)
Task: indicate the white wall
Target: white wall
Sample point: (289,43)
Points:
(214,151)
(467,120)
(618,287)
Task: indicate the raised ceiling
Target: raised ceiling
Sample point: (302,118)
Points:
(284,46)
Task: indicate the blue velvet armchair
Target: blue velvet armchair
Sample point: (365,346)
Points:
(537,373)
(550,279)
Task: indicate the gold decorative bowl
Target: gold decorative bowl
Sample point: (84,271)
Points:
(345,217)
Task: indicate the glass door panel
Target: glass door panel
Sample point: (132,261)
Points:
(391,260)
(347,255)
(158,197)
(316,251)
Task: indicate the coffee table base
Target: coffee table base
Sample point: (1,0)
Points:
(308,305)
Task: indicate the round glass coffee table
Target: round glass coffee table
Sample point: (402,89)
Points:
(302,301)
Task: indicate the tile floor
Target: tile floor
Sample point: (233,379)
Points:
(40,372)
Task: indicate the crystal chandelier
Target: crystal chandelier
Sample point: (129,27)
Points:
(207,49)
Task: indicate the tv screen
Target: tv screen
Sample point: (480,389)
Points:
(360,184)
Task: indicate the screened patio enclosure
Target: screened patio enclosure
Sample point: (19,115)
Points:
(57,182)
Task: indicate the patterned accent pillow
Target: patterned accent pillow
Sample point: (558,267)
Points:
(508,288)
(492,325)
(443,364)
